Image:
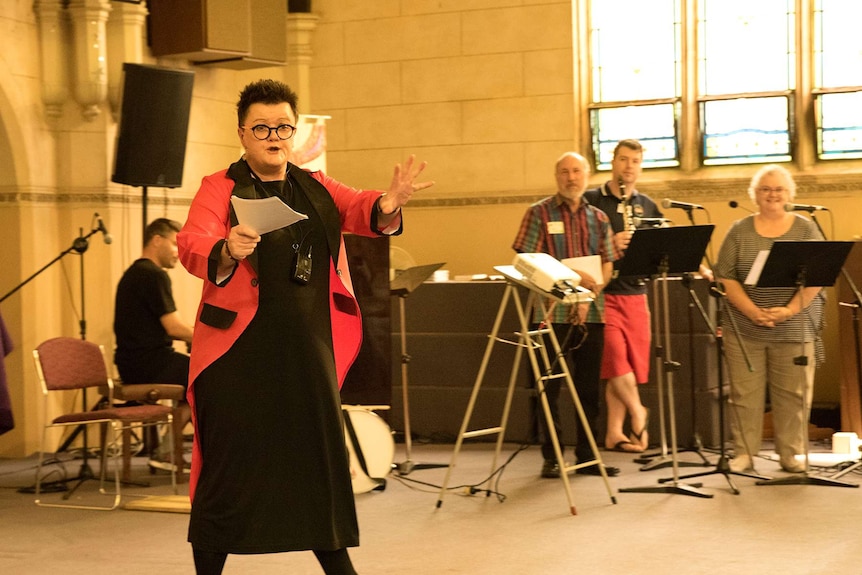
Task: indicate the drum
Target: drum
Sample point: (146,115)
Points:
(375,445)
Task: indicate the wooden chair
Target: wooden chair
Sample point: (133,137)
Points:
(66,363)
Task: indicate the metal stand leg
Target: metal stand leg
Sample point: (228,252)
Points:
(662,459)
(407,465)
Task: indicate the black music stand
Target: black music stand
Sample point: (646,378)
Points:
(403,285)
(659,252)
(802,264)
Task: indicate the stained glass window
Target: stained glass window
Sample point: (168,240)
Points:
(837,64)
(635,73)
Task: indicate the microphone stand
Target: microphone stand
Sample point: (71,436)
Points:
(79,246)
(696,445)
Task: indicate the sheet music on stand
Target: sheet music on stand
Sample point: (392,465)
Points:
(781,266)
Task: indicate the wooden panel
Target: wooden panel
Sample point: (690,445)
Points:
(448,325)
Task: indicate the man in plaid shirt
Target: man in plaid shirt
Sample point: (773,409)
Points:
(565,226)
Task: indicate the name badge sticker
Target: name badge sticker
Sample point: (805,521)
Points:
(556,228)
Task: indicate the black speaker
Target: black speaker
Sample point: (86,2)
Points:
(154,122)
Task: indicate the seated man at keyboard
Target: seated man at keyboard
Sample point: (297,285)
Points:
(146,321)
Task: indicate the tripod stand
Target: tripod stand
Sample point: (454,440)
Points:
(79,246)
(804,264)
(723,465)
(695,444)
(402,286)
(661,251)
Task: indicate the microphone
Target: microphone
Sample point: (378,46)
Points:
(649,221)
(107,236)
(668,203)
(735,204)
(804,208)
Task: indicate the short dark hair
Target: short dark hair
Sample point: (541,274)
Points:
(630,144)
(264,92)
(161,227)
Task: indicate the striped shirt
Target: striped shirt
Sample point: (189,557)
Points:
(585,231)
(735,259)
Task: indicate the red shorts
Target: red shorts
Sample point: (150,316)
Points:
(627,337)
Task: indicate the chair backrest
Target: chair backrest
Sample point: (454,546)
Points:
(70,363)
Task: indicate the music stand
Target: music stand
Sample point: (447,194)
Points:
(802,264)
(403,285)
(659,252)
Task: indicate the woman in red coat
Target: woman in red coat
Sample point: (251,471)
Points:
(276,331)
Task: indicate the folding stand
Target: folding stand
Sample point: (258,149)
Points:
(533,342)
(658,252)
(403,285)
(800,265)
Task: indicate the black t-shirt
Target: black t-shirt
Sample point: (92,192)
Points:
(642,207)
(144,295)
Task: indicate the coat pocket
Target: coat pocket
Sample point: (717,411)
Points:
(217,317)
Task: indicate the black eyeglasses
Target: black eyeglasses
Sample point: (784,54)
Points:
(263,132)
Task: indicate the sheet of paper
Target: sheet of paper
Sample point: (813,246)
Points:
(756,268)
(265,215)
(588,264)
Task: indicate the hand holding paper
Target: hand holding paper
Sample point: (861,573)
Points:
(265,215)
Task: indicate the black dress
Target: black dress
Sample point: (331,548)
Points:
(275,474)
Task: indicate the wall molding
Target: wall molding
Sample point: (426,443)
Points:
(809,187)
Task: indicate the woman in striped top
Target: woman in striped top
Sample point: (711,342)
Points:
(772,324)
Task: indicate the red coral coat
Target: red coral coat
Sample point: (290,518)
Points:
(233,303)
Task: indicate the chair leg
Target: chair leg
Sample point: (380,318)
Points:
(103,472)
(127,455)
(180,413)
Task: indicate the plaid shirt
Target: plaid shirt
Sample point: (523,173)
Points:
(586,231)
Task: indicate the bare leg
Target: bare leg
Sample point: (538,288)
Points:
(622,397)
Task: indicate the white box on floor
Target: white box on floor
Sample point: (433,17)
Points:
(845,442)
